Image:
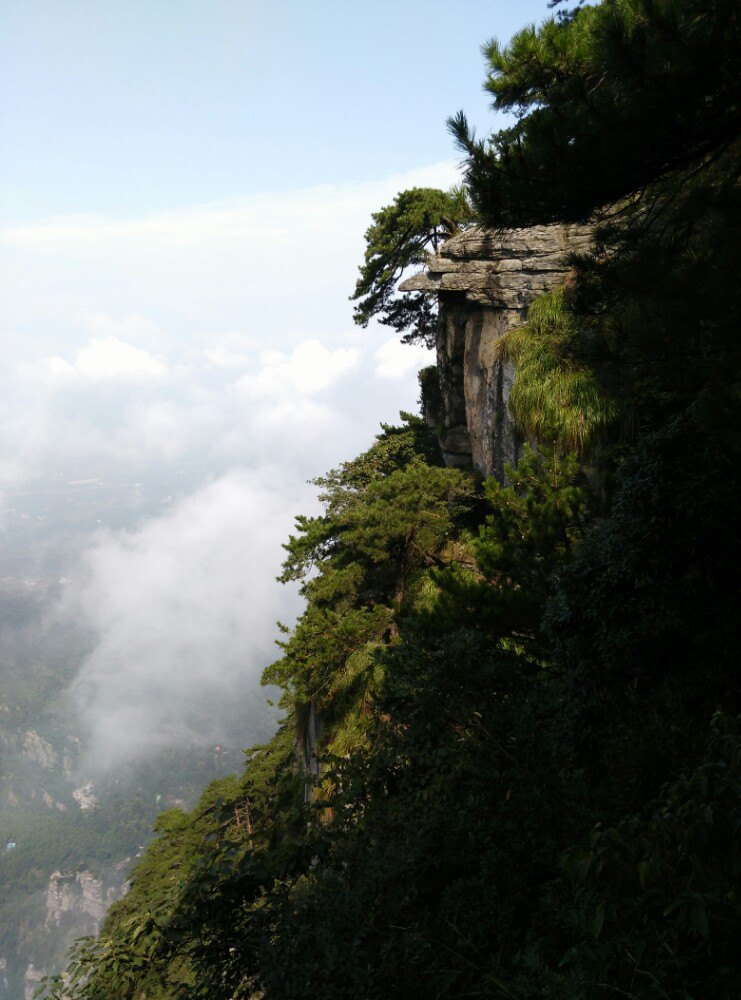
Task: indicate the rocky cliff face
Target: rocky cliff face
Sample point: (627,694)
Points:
(485,282)
(31,981)
(74,904)
(80,894)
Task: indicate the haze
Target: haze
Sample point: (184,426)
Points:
(185,192)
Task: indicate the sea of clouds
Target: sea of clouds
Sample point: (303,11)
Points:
(219,340)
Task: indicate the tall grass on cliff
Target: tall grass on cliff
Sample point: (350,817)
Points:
(557,396)
(543,797)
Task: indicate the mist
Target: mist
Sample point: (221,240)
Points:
(174,383)
(183,611)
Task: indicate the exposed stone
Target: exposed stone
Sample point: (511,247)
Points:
(84,796)
(31,981)
(37,749)
(79,893)
(485,281)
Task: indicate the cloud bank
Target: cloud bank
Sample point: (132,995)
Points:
(199,366)
(184,611)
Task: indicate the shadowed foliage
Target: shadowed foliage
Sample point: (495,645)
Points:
(403,235)
(530,764)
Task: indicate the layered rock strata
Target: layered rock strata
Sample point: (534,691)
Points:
(485,281)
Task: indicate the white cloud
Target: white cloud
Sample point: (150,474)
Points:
(282,264)
(53,370)
(222,357)
(102,358)
(234,349)
(160,428)
(137,330)
(183,613)
(182,228)
(112,358)
(129,364)
(265,220)
(394,359)
(310,368)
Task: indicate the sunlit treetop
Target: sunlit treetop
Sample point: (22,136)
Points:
(402,235)
(607,98)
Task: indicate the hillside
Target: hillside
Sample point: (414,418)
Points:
(510,759)
(68,835)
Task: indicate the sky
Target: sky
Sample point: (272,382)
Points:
(184,189)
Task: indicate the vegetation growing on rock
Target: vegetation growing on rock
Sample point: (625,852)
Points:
(531,761)
(402,236)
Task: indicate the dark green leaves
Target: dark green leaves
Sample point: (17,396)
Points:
(608,100)
(401,236)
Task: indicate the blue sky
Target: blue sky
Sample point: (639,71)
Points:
(184,191)
(124,106)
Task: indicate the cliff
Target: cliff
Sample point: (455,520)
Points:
(485,281)
(74,904)
(83,895)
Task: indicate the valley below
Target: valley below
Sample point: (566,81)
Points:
(72,828)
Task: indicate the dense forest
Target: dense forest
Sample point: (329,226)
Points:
(516,705)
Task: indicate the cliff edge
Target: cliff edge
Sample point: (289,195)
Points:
(485,281)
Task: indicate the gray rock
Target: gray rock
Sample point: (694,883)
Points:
(79,893)
(39,750)
(485,281)
(85,796)
(31,981)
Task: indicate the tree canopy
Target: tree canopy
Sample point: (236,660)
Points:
(620,93)
(530,780)
(401,236)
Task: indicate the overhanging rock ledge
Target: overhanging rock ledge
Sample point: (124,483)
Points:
(485,281)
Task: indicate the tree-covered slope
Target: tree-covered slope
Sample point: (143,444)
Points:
(522,701)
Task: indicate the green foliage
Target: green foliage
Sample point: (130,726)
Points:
(644,612)
(607,100)
(534,522)
(401,236)
(517,795)
(528,531)
(143,947)
(499,827)
(556,395)
(654,900)
(628,116)
(389,517)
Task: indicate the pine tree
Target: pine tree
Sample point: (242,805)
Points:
(402,235)
(608,100)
